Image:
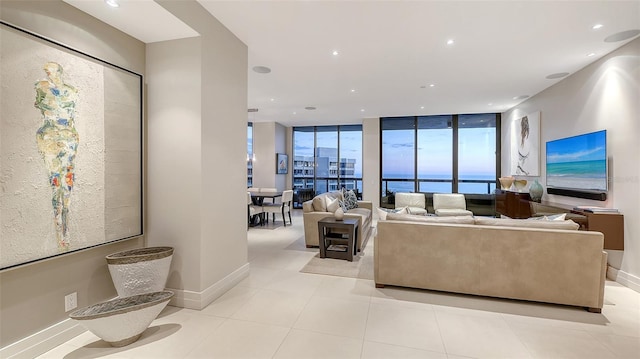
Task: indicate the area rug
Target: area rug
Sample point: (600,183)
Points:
(361,267)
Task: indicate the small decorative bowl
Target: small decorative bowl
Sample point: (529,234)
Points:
(122,321)
(520,184)
(506,182)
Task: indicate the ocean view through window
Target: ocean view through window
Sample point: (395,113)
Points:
(439,154)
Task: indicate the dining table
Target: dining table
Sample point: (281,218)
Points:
(258,197)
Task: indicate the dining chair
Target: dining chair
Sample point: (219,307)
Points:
(253,210)
(284,206)
(269,190)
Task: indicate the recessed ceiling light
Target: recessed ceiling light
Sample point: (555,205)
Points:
(294,113)
(335,53)
(422,107)
(273,99)
(432,85)
(621,36)
(353,90)
(450,42)
(112,3)
(261,69)
(490,104)
(591,54)
(557,75)
(362,110)
(310,108)
(597,26)
(521,97)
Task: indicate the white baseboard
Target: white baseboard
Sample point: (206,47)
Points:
(59,333)
(199,300)
(43,341)
(628,280)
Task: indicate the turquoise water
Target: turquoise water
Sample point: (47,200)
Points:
(579,169)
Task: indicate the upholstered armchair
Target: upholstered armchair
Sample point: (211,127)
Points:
(415,202)
(450,204)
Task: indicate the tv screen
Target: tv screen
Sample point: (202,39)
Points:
(578,162)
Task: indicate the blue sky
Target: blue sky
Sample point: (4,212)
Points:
(476,148)
(587,147)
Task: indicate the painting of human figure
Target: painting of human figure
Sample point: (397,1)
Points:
(57,141)
(526,145)
(70,150)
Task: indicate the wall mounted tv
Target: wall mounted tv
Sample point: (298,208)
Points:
(577,166)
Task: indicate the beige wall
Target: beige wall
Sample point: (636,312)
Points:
(32,297)
(174,155)
(270,138)
(198,206)
(604,95)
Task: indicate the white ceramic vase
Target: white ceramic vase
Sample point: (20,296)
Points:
(339,214)
(139,271)
(121,321)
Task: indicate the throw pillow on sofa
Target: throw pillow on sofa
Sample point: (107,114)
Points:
(350,200)
(382,212)
(554,217)
(332,204)
(319,204)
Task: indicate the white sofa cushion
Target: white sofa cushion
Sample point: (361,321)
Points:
(430,219)
(451,212)
(527,223)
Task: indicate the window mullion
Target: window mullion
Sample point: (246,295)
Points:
(454,124)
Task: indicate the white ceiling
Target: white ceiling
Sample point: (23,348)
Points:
(390,52)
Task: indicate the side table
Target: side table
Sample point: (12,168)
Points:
(338,239)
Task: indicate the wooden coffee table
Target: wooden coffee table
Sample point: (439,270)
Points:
(338,239)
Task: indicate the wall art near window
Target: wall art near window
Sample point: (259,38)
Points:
(70,150)
(282,163)
(525,145)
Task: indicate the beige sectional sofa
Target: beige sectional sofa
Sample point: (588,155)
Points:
(506,258)
(316,209)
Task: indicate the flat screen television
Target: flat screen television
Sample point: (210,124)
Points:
(578,162)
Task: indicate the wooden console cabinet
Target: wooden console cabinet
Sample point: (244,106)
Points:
(611,225)
(513,204)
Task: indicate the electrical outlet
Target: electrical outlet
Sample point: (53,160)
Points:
(70,301)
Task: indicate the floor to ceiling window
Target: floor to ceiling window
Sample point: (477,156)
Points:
(327,158)
(439,154)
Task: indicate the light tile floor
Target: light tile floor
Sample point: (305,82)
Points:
(278,312)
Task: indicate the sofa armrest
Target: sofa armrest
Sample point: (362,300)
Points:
(307,206)
(366,204)
(311,220)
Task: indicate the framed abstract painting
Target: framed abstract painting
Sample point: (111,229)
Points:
(70,150)
(282,163)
